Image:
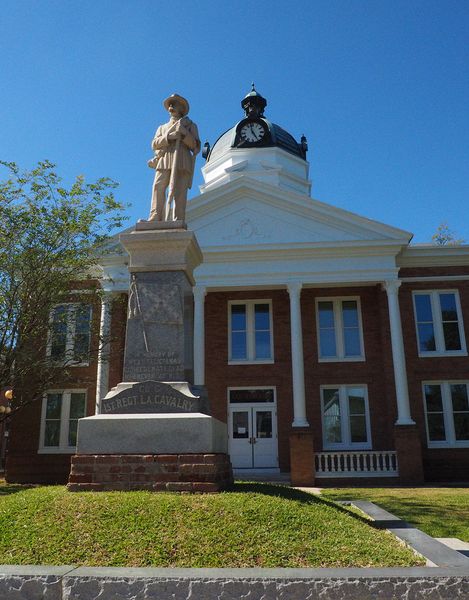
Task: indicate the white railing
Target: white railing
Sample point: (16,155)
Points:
(357,464)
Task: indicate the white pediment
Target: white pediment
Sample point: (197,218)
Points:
(251,214)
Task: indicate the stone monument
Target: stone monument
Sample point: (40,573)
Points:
(155,430)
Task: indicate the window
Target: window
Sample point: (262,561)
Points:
(70,333)
(439,323)
(250,325)
(447,413)
(60,413)
(345,417)
(339,329)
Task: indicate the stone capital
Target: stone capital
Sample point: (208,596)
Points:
(199,291)
(391,286)
(294,288)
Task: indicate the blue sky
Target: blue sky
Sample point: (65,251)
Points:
(379,87)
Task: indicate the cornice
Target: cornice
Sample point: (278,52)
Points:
(339,278)
(303,250)
(429,255)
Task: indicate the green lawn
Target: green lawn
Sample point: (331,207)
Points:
(254,525)
(440,512)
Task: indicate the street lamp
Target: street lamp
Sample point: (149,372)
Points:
(7,409)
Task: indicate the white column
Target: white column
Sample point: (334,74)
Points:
(199,335)
(102,374)
(398,356)
(299,402)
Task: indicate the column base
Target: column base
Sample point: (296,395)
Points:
(409,454)
(302,467)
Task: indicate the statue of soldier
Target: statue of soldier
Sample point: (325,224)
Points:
(176,145)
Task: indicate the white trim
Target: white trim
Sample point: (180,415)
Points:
(448,413)
(398,354)
(433,255)
(199,293)
(438,324)
(378,463)
(346,444)
(240,406)
(339,329)
(63,447)
(251,332)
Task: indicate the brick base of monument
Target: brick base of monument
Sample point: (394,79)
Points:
(197,473)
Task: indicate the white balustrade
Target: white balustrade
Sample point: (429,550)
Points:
(357,464)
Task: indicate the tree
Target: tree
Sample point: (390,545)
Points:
(51,238)
(445,237)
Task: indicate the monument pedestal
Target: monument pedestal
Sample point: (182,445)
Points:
(155,430)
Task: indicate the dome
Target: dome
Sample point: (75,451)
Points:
(253,105)
(279,138)
(258,150)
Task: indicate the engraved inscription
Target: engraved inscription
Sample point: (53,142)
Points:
(150,397)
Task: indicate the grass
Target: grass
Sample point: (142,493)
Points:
(254,525)
(440,512)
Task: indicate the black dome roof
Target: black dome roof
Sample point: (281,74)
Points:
(254,104)
(280,139)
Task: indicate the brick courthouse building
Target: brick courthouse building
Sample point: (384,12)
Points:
(331,347)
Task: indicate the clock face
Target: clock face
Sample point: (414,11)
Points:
(252,132)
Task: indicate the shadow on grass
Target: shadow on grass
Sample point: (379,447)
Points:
(12,488)
(288,493)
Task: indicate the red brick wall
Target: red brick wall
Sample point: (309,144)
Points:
(24,464)
(439,464)
(220,376)
(376,372)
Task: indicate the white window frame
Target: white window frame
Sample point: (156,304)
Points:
(63,447)
(346,443)
(451,441)
(339,330)
(438,324)
(71,308)
(250,333)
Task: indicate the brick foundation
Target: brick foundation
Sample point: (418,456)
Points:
(154,472)
(409,454)
(302,468)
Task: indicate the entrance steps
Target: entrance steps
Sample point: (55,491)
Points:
(262,475)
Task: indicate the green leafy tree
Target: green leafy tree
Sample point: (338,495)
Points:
(445,237)
(51,238)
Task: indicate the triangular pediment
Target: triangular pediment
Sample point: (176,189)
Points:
(250,213)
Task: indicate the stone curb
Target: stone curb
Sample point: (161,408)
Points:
(86,583)
(436,553)
(447,581)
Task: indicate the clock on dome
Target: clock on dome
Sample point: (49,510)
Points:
(254,129)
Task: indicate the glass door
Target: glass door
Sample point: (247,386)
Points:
(252,437)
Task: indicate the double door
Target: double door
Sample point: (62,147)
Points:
(253,436)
